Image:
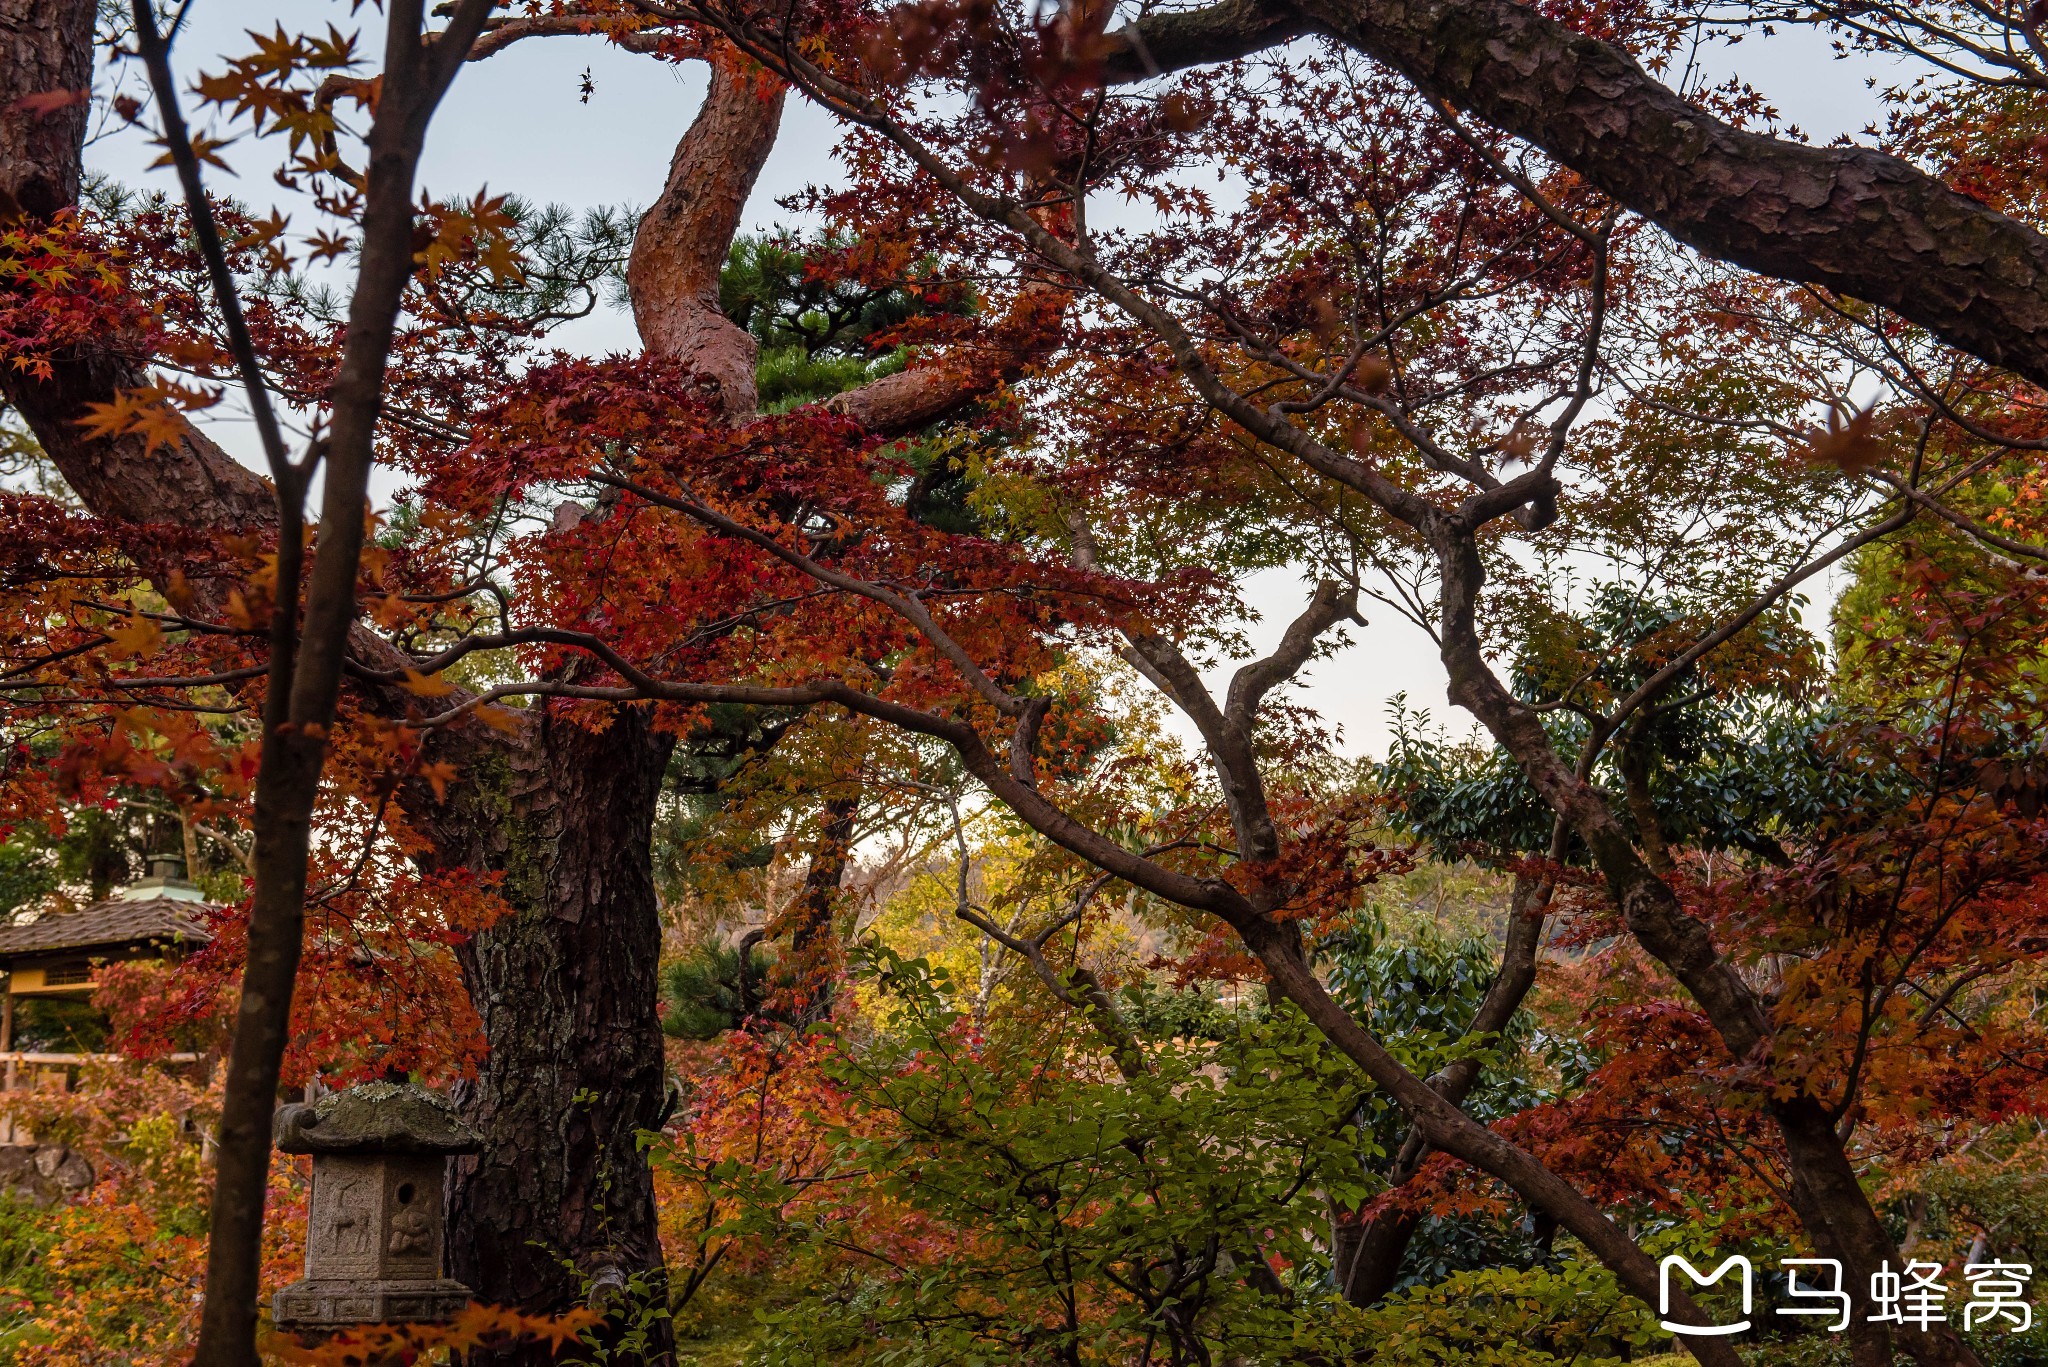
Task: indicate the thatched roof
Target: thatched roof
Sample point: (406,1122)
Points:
(113,924)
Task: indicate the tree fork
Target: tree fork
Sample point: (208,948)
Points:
(1825,1192)
(1369,1260)
(1451,1130)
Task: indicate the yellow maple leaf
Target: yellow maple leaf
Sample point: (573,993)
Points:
(134,636)
(425,685)
(390,610)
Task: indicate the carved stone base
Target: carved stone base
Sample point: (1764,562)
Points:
(335,1304)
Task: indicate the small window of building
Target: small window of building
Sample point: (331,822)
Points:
(73,974)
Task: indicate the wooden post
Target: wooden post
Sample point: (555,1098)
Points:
(7,1048)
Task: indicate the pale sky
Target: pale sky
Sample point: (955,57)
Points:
(518,123)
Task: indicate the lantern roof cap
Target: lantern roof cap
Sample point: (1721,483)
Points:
(375,1117)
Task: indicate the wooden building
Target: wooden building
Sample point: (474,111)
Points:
(56,959)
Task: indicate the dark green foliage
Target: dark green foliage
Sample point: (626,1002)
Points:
(941,487)
(813,328)
(98,852)
(58,1025)
(789,377)
(28,873)
(771,287)
(1428,986)
(1156,1012)
(1769,772)
(1462,797)
(1420,995)
(1756,774)
(101,851)
(714,989)
(683,826)
(816,325)
(573,260)
(693,805)
(1729,766)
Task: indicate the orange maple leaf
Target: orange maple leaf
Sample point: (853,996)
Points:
(1852,444)
(425,685)
(437,776)
(134,636)
(498,718)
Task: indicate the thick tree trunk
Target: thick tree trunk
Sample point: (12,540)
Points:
(559,1207)
(1368,1256)
(684,235)
(567,987)
(46,47)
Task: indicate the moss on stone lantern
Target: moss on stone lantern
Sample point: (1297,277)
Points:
(374,1231)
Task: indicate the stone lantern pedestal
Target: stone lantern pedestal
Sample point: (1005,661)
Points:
(373,1226)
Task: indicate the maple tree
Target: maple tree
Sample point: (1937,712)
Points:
(304,653)
(192,481)
(1444,375)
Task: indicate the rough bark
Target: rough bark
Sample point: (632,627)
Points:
(908,401)
(561,1201)
(1848,218)
(197,485)
(46,49)
(565,987)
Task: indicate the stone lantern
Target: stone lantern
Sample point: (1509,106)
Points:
(373,1225)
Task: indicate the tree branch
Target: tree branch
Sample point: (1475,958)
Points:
(1848,218)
